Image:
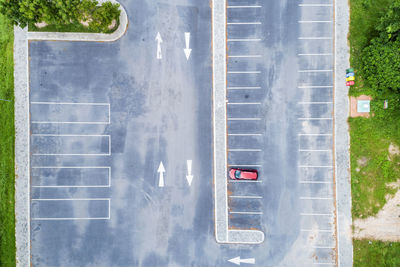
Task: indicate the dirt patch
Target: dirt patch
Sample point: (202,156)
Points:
(85,22)
(113,24)
(394,149)
(353,106)
(362,161)
(385,226)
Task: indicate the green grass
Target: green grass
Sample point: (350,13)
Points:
(7,218)
(376,254)
(73,27)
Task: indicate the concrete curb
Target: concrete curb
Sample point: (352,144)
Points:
(88,37)
(222,232)
(21,112)
(342,138)
(22,125)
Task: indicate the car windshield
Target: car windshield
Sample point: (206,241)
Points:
(237,174)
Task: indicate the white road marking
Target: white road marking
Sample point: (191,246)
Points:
(315,198)
(315,38)
(244,6)
(244,119)
(324,263)
(244,72)
(244,56)
(313,103)
(251,197)
(238,261)
(70,122)
(314,166)
(321,54)
(316,214)
(315,150)
(315,86)
(322,247)
(161,171)
(187,50)
(244,40)
(159,41)
(306,71)
(69,103)
(189,176)
(244,88)
(247,212)
(317,230)
(306,5)
(244,150)
(315,21)
(248,103)
(243,23)
(314,182)
(245,134)
(314,134)
(72,135)
(313,119)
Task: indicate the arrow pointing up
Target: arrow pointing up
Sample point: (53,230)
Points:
(187,50)
(238,260)
(161,171)
(189,176)
(159,41)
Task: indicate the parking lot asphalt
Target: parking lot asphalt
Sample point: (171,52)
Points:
(104,115)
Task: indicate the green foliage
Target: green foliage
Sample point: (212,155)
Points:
(7,179)
(60,12)
(389,26)
(376,253)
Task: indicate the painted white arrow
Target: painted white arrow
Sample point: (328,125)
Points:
(189,176)
(238,260)
(161,171)
(159,41)
(187,50)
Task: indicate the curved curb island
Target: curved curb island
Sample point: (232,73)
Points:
(22,121)
(85,37)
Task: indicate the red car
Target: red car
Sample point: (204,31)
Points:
(240,174)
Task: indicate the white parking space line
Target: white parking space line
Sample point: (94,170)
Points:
(316,214)
(317,230)
(244,6)
(245,134)
(244,72)
(313,119)
(313,103)
(324,247)
(69,103)
(314,182)
(244,119)
(320,54)
(315,150)
(315,38)
(250,197)
(243,23)
(312,5)
(243,87)
(314,166)
(248,103)
(73,135)
(244,40)
(244,56)
(244,150)
(315,21)
(69,122)
(246,212)
(315,134)
(315,198)
(324,263)
(314,86)
(302,71)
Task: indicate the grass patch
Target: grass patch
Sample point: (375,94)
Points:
(7,132)
(72,27)
(375,253)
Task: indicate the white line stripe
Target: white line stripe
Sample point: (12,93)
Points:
(244,40)
(314,166)
(317,230)
(322,54)
(248,103)
(324,263)
(246,212)
(315,134)
(244,165)
(245,134)
(244,6)
(72,135)
(313,103)
(244,119)
(323,247)
(250,197)
(306,5)
(67,219)
(68,186)
(70,154)
(69,103)
(244,150)
(316,198)
(316,214)
(314,86)
(245,181)
(243,23)
(315,21)
(244,56)
(70,122)
(244,87)
(69,199)
(313,119)
(315,38)
(315,150)
(244,72)
(306,71)
(314,182)
(70,167)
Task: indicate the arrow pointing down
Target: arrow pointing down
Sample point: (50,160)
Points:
(238,260)
(189,176)
(161,171)
(159,41)
(187,50)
